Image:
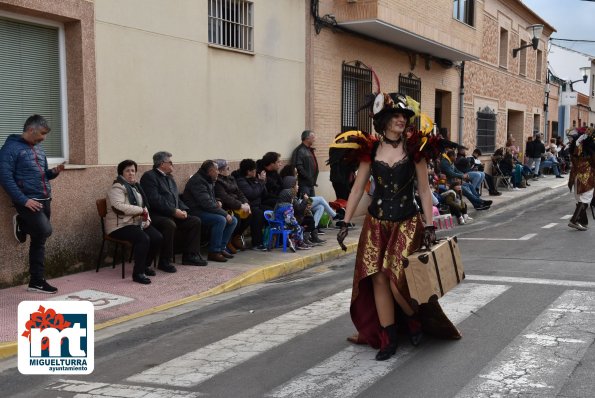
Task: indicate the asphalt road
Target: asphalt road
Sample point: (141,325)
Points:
(526,310)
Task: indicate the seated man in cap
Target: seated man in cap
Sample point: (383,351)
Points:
(169,214)
(199,194)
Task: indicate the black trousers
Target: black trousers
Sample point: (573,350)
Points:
(37,225)
(308,224)
(490,182)
(186,231)
(147,243)
(243,224)
(305,189)
(342,189)
(256,225)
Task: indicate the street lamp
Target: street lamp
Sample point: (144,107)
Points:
(535,30)
(585,72)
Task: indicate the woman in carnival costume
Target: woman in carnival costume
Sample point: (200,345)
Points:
(393,228)
(582,175)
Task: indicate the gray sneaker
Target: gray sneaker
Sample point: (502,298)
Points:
(19,234)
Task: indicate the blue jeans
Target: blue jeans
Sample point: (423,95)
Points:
(476,178)
(220,230)
(534,161)
(37,225)
(552,164)
(471,194)
(319,206)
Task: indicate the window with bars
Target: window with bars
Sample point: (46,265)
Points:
(356,86)
(231,24)
(486,130)
(411,85)
(464,11)
(30,81)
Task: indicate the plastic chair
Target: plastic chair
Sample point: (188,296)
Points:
(102,211)
(276,229)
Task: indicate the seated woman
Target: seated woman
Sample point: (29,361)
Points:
(254,189)
(128,219)
(233,201)
(509,167)
(551,162)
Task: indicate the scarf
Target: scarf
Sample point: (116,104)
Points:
(131,196)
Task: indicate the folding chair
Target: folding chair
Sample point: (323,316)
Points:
(499,177)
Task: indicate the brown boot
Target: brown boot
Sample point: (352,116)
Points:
(218,257)
(237,242)
(226,254)
(231,248)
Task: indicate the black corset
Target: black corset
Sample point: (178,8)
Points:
(393,197)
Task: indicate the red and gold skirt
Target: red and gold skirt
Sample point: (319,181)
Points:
(382,247)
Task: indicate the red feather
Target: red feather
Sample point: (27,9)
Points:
(431,150)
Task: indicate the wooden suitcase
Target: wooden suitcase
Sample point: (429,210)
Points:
(432,273)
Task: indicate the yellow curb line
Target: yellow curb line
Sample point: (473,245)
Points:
(251,277)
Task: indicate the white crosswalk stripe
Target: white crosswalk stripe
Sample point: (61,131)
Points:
(539,360)
(352,370)
(105,390)
(206,362)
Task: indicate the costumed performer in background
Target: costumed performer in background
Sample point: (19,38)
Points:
(582,175)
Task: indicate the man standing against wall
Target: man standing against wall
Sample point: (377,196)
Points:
(25,176)
(304,160)
(534,150)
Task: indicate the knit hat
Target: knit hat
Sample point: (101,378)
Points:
(288,182)
(221,164)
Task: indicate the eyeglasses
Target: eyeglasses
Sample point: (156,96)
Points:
(169,162)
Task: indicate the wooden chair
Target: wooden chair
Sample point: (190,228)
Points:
(122,244)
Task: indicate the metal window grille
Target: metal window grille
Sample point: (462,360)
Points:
(486,130)
(411,85)
(356,86)
(464,10)
(231,24)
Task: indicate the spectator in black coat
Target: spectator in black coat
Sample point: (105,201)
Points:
(534,151)
(271,163)
(170,214)
(254,188)
(200,196)
(234,202)
(304,160)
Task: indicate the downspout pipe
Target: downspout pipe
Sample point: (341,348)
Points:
(461,103)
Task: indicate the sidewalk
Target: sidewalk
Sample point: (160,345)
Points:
(117,300)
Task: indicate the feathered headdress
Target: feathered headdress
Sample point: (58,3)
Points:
(583,139)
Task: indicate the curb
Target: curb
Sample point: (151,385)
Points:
(252,277)
(529,197)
